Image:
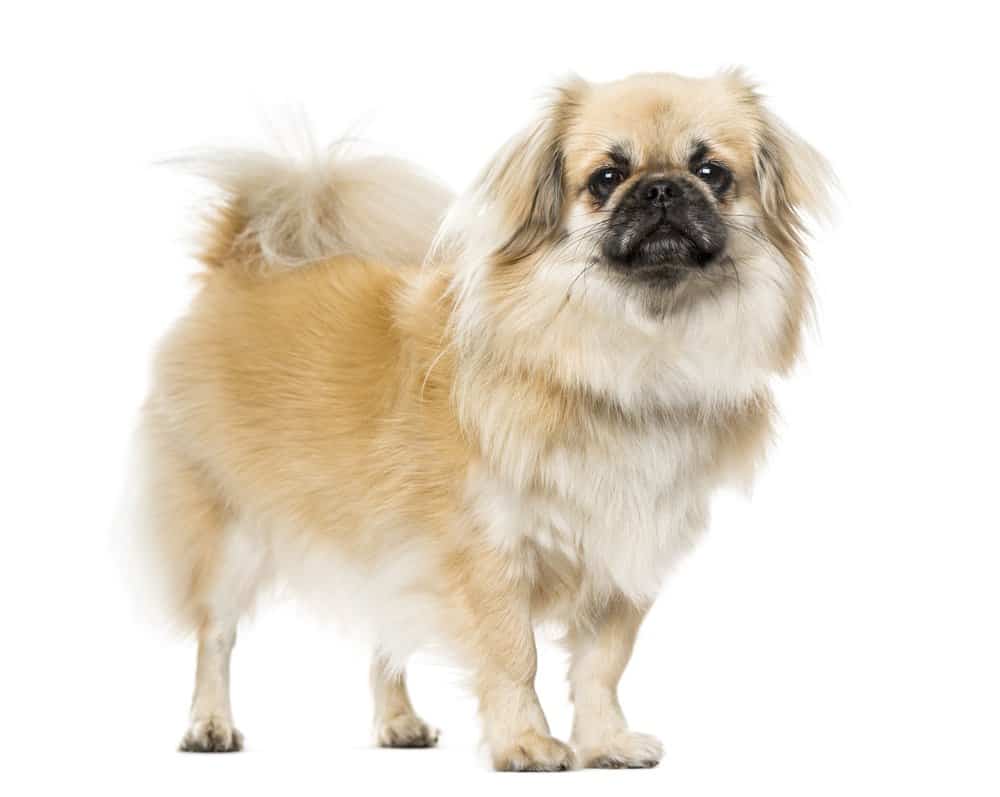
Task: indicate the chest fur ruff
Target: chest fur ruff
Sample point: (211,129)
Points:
(612,514)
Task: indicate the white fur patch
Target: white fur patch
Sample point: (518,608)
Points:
(391,594)
(622,519)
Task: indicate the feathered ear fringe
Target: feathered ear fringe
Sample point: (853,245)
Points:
(793,179)
(524,182)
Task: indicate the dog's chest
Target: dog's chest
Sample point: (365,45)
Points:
(610,514)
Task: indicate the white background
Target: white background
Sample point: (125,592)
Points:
(836,634)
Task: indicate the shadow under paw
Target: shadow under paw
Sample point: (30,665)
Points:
(625,751)
(212,736)
(534,752)
(407,731)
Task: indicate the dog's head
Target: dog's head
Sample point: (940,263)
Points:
(633,207)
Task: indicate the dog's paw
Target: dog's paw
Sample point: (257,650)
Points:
(406,730)
(533,752)
(212,735)
(624,750)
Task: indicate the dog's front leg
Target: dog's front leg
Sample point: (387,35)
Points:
(600,650)
(499,627)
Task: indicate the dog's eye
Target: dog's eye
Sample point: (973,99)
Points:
(714,175)
(604,181)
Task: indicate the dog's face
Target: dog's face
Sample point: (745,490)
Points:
(657,205)
(651,167)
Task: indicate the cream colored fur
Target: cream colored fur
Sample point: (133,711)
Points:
(453,445)
(316,204)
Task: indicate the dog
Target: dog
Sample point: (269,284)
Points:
(453,418)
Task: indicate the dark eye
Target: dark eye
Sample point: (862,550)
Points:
(714,175)
(604,181)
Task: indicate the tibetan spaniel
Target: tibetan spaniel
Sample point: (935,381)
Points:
(454,418)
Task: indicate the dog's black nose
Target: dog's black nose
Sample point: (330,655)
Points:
(662,192)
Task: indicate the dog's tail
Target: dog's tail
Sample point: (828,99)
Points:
(278,213)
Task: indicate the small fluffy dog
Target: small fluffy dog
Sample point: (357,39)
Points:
(457,419)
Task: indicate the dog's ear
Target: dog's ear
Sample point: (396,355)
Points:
(793,179)
(524,182)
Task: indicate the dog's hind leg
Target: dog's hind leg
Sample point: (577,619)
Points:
(211,729)
(396,723)
(208,566)
(238,568)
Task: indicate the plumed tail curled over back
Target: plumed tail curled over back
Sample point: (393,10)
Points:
(277,213)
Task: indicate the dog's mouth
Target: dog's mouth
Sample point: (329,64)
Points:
(655,245)
(667,243)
